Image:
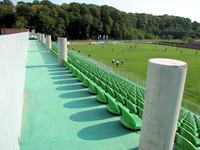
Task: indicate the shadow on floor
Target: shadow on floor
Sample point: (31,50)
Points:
(76,94)
(67,81)
(83,103)
(58,69)
(135,148)
(56,66)
(36,66)
(33,51)
(79,97)
(60,73)
(103,131)
(64,77)
(70,87)
(44,53)
(91,115)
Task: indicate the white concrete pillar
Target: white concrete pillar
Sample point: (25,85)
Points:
(48,41)
(62,50)
(43,38)
(37,35)
(164,91)
(40,37)
(33,31)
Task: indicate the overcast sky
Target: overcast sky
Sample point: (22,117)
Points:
(183,8)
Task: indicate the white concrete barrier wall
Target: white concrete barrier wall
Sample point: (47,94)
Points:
(13,49)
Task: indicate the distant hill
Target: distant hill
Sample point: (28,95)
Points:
(82,21)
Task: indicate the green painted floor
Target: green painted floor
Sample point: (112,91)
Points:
(60,114)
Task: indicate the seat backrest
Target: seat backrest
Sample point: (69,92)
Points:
(132,99)
(188,128)
(119,98)
(110,91)
(140,104)
(187,135)
(140,112)
(132,107)
(102,85)
(183,144)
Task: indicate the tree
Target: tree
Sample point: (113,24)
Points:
(7,2)
(81,21)
(7,15)
(21,22)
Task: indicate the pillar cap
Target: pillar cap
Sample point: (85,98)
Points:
(167,62)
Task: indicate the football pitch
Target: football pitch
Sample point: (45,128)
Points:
(136,58)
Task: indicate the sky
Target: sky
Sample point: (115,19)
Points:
(184,8)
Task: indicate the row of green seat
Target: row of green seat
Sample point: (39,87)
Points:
(127,99)
(186,137)
(54,49)
(117,83)
(188,131)
(127,104)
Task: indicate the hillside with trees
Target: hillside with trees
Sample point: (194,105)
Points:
(82,21)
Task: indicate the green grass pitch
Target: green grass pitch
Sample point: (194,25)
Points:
(136,58)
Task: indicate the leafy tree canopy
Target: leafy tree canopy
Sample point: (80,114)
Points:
(82,21)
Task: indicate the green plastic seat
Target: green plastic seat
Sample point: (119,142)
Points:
(132,99)
(182,114)
(132,107)
(110,84)
(190,120)
(124,93)
(87,74)
(104,80)
(194,140)
(90,76)
(133,93)
(140,104)
(103,86)
(85,81)
(110,91)
(116,88)
(129,120)
(183,144)
(140,111)
(189,129)
(139,94)
(71,67)
(66,64)
(119,98)
(96,80)
(101,95)
(80,76)
(74,72)
(197,122)
(112,105)
(92,87)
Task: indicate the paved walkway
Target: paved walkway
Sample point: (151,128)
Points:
(60,114)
